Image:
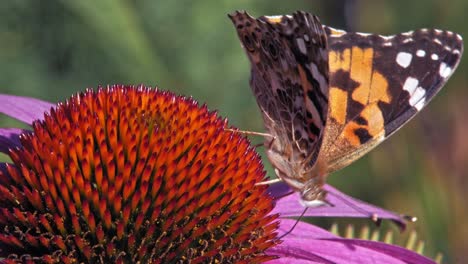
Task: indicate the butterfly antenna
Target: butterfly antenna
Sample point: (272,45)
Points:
(295,224)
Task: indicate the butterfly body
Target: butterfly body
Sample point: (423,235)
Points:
(327,96)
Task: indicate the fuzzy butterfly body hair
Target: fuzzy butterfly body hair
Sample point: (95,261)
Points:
(328,96)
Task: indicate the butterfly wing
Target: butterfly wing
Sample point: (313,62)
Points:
(378,83)
(289,78)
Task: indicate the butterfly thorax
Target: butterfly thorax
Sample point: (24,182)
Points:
(301,171)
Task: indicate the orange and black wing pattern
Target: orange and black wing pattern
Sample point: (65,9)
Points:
(378,83)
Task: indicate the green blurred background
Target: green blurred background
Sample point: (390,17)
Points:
(51,49)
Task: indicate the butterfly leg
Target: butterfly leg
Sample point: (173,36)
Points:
(255,134)
(249,132)
(269,182)
(271,142)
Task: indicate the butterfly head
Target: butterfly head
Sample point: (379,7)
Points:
(313,196)
(311,191)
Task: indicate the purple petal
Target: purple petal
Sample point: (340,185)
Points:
(403,254)
(343,206)
(25,109)
(310,244)
(9,138)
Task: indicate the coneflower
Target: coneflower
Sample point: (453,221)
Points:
(134,175)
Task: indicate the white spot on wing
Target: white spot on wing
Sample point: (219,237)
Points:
(363,34)
(434,56)
(407,40)
(409,33)
(444,70)
(418,99)
(301,45)
(404,59)
(417,93)
(420,53)
(410,85)
(387,37)
(419,105)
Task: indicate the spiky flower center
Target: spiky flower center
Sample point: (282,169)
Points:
(127,174)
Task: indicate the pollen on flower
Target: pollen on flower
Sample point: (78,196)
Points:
(134,174)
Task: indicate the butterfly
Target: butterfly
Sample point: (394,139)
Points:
(328,96)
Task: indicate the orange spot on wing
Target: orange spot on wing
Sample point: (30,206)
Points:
(350,135)
(361,72)
(375,125)
(373,85)
(338,103)
(379,89)
(375,120)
